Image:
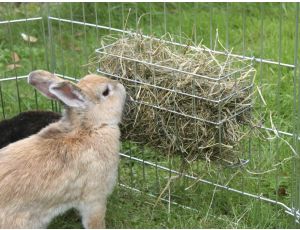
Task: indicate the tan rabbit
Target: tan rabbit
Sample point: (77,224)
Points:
(70,163)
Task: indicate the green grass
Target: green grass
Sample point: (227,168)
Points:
(128,209)
(71,46)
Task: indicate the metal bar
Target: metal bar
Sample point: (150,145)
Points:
(165,18)
(31,55)
(244,30)
(296,103)
(249,144)
(123,17)
(260,106)
(165,200)
(262,198)
(259,60)
(46,46)
(73,59)
(60,42)
(210,25)
(96,20)
(11,46)
(50,45)
(180,22)
(227,25)
(84,42)
(196,8)
(109,17)
(136,7)
(21,20)
(2,102)
(277,99)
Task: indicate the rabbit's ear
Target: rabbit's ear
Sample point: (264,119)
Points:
(42,80)
(68,93)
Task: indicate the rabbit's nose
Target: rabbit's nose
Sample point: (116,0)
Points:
(121,88)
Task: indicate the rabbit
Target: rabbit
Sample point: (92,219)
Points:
(72,163)
(25,124)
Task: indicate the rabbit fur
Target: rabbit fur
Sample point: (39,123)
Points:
(70,163)
(24,125)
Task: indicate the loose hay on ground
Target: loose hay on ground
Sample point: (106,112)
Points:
(190,101)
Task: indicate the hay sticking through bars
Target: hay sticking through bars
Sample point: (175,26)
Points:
(190,101)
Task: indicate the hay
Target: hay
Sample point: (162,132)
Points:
(187,101)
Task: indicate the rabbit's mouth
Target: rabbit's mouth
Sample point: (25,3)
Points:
(128,99)
(129,102)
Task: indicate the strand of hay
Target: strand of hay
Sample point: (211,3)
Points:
(193,101)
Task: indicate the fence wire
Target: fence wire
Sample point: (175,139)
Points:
(142,169)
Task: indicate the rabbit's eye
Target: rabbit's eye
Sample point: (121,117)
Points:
(105,92)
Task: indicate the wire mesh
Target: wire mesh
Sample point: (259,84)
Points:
(144,169)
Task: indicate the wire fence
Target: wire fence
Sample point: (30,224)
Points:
(68,35)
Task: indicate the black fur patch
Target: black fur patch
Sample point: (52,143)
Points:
(24,125)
